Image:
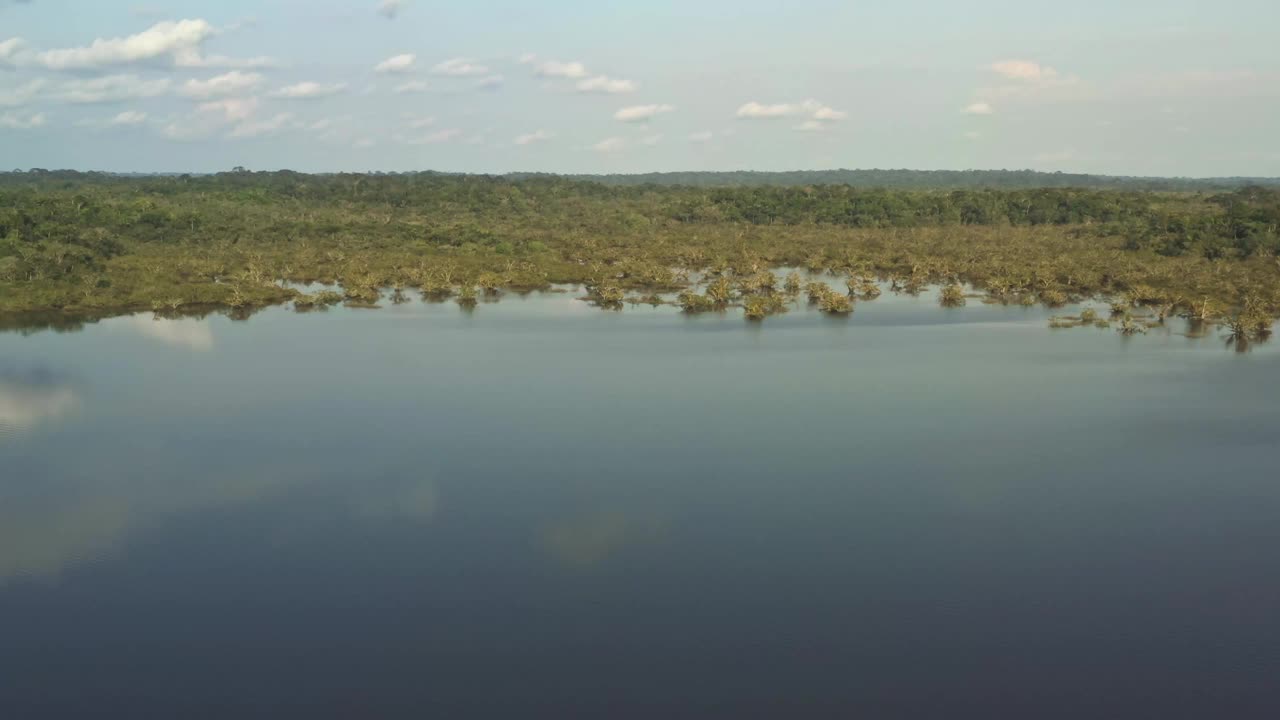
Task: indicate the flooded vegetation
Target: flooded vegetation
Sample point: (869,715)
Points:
(93,245)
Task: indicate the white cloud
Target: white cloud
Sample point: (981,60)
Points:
(459,67)
(527,59)
(14,121)
(606,85)
(390,9)
(9,50)
(810,126)
(701,137)
(491,82)
(418,122)
(232,83)
(979,108)
(1023,70)
(231,110)
(754,109)
(23,94)
(533,137)
(222,61)
(641,113)
(608,145)
(178,44)
(651,140)
(413,86)
(213,117)
(397,64)
(128,117)
(826,113)
(814,109)
(554,68)
(440,136)
(308,91)
(258,128)
(112,88)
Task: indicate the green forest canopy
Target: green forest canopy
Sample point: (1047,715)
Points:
(96,241)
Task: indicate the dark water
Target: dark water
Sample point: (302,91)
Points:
(546,510)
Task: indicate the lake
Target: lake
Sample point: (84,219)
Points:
(540,508)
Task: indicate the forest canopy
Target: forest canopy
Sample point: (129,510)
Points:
(95,242)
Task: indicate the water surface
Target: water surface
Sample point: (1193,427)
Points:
(544,509)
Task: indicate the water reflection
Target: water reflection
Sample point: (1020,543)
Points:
(416,501)
(87,517)
(31,399)
(405,505)
(587,541)
(188,333)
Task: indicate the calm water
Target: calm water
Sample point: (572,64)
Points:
(541,509)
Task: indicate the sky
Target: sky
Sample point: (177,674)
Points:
(1139,87)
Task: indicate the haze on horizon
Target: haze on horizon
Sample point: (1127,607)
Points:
(1169,88)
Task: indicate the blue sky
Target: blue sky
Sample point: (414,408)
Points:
(1138,87)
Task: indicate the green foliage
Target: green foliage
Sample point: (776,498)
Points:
(833,303)
(607,296)
(952,295)
(720,292)
(758,307)
(692,302)
(792,285)
(94,244)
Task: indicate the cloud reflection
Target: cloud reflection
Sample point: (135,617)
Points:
(26,403)
(587,541)
(46,530)
(188,333)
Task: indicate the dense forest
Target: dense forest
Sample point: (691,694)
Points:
(877,179)
(98,243)
(929,180)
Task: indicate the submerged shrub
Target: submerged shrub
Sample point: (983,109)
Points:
(1053,298)
(758,307)
(1203,310)
(834,303)
(792,285)
(1128,326)
(759,283)
(720,291)
(1252,323)
(692,302)
(816,291)
(607,296)
(490,283)
(952,296)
